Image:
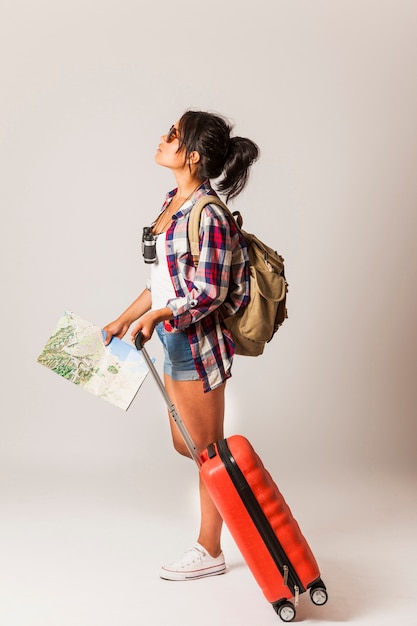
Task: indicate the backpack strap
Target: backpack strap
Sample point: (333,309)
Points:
(195,219)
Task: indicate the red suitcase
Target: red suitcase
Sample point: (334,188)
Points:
(257,516)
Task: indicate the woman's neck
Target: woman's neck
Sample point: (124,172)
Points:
(186,186)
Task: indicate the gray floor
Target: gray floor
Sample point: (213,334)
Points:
(85,550)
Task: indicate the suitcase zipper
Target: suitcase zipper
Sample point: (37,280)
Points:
(260,520)
(285,568)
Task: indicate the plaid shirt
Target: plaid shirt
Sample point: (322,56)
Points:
(221,278)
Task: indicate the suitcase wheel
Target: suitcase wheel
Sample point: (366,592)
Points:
(318,594)
(285,611)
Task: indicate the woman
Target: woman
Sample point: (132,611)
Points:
(182,301)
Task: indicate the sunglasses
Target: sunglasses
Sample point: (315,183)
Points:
(172,134)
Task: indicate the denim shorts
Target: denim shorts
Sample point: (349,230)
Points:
(178,359)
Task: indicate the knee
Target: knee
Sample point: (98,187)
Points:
(181,448)
(200,443)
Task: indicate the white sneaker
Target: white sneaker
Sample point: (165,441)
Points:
(195,563)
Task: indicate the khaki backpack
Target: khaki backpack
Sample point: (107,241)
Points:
(266,310)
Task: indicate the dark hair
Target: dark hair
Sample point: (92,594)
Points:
(220,155)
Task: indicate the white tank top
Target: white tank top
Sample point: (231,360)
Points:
(162,288)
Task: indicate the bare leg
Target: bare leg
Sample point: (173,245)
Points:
(203,415)
(211,523)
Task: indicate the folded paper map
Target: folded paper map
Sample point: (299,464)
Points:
(76,351)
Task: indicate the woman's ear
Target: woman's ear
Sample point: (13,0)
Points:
(194,157)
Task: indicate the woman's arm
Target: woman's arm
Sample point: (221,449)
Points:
(137,309)
(211,279)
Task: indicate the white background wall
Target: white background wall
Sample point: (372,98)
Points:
(328,90)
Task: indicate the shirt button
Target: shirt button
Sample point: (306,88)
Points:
(193,303)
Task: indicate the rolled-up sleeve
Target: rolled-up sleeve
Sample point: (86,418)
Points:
(209,286)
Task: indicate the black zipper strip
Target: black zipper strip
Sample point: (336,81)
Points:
(258,517)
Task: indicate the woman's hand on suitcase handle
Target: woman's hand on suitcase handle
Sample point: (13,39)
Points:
(146,324)
(145,327)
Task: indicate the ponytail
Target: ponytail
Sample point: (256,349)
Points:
(220,155)
(240,155)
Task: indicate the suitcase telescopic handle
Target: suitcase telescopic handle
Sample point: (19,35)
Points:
(191,447)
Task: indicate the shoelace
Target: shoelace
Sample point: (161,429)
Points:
(193,554)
